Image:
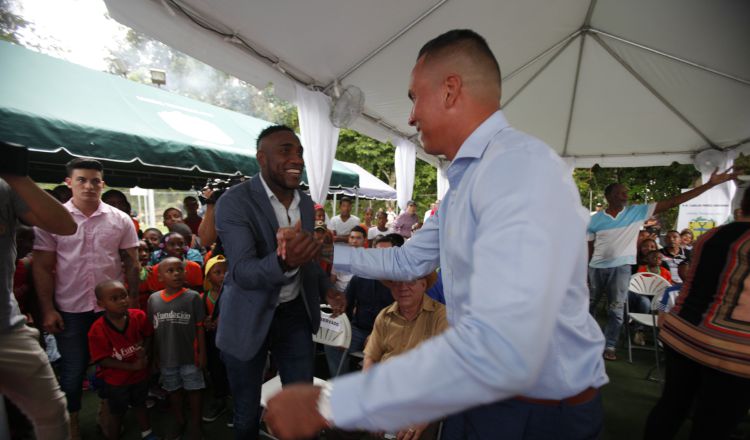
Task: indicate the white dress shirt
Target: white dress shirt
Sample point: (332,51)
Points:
(519,317)
(287,218)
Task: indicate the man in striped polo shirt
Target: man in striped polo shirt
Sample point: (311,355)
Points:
(612,234)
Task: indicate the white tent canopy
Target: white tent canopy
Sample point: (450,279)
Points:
(619,83)
(370,187)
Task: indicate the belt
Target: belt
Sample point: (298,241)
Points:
(584,396)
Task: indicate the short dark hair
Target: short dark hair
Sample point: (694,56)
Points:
(271,130)
(189,198)
(673,230)
(396,240)
(609,188)
(345,199)
(154,229)
(99,289)
(359,229)
(171,208)
(184,230)
(83,163)
(467,39)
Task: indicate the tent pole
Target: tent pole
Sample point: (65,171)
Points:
(356,200)
(334,206)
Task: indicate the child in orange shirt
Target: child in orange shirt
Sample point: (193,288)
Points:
(653,265)
(173,245)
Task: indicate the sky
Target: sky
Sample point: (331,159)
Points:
(80,27)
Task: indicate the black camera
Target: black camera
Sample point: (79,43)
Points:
(218,187)
(15,159)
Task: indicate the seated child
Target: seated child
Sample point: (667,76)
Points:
(177,314)
(173,245)
(653,265)
(216,268)
(119,342)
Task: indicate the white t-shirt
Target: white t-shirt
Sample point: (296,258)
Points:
(340,227)
(374,232)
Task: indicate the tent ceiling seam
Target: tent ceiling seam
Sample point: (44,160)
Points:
(573,95)
(275,62)
(568,41)
(672,57)
(270,59)
(651,89)
(589,13)
(565,40)
(387,43)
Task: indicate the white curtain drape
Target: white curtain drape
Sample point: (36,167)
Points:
(707,161)
(319,139)
(405,161)
(442,179)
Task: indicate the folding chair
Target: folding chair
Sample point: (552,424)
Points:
(645,284)
(649,320)
(336,332)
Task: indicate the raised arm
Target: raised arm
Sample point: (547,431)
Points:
(44,211)
(715,179)
(207,228)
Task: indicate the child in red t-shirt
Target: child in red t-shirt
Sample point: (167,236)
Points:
(653,265)
(173,245)
(119,342)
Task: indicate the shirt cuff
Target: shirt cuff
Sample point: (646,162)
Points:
(291,273)
(324,402)
(342,259)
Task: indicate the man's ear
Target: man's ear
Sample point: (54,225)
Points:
(260,156)
(451,89)
(69,182)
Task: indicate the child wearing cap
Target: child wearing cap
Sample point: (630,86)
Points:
(216,269)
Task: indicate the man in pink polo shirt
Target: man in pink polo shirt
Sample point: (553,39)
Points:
(67,268)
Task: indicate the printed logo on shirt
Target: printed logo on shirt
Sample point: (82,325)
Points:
(125,352)
(182,318)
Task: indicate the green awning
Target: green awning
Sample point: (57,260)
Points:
(145,136)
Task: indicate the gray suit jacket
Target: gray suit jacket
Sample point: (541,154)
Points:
(247,225)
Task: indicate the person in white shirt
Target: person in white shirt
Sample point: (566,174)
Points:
(342,224)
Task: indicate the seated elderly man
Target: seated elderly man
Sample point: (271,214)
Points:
(411,320)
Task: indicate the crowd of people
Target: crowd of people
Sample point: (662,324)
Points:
(468,318)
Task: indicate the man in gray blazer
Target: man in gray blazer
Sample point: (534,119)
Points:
(271,298)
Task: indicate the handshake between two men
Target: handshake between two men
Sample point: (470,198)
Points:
(297,247)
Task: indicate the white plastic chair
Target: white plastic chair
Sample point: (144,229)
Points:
(649,320)
(336,332)
(652,286)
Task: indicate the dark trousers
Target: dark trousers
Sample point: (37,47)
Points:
(216,368)
(721,400)
(73,345)
(515,419)
(290,342)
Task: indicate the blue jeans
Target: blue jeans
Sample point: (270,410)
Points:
(335,354)
(515,419)
(290,341)
(614,283)
(73,345)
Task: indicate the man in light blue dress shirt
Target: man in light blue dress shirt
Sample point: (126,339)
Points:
(522,357)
